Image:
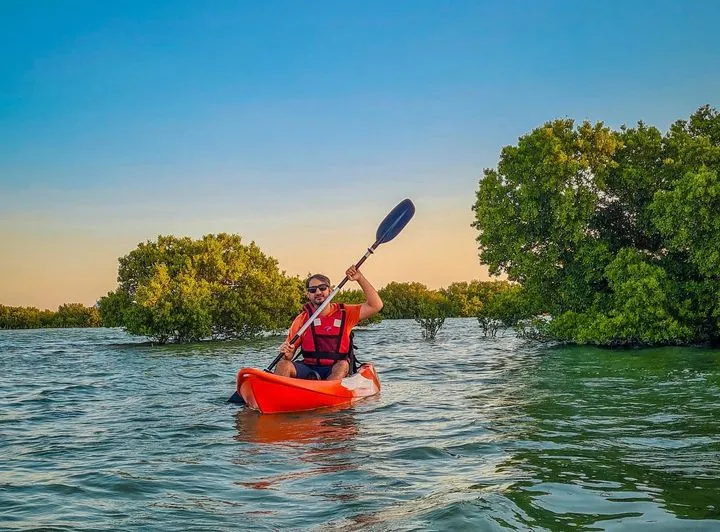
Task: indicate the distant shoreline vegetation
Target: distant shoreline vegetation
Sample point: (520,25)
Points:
(495,304)
(70,315)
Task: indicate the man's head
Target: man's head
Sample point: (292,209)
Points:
(317,288)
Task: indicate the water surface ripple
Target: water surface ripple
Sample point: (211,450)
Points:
(100,430)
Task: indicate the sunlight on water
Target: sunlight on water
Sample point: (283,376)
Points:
(101,430)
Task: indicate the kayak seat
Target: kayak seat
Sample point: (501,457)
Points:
(354,363)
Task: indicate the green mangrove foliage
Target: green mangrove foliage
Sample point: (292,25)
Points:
(433,308)
(615,234)
(167,287)
(467,299)
(496,303)
(506,306)
(67,315)
(180,289)
(356,297)
(402,300)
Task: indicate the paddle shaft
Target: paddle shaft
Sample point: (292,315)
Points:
(324,304)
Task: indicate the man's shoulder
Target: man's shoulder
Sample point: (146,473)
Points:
(302,316)
(353,310)
(334,307)
(349,306)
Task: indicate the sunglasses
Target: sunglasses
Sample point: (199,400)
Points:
(321,287)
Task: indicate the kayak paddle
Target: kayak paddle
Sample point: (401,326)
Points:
(388,229)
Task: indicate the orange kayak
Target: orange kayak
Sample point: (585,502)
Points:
(272,394)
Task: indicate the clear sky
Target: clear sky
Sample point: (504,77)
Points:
(300,124)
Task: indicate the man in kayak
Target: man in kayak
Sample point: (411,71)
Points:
(326,344)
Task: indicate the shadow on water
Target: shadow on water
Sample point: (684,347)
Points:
(329,425)
(318,445)
(269,344)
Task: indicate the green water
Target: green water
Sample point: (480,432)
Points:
(100,431)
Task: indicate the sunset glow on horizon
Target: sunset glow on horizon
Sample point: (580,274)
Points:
(300,126)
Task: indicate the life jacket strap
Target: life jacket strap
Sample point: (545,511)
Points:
(322,359)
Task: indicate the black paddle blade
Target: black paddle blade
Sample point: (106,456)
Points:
(235,398)
(394,222)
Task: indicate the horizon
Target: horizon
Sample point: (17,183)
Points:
(299,127)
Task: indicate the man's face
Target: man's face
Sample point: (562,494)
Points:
(317,291)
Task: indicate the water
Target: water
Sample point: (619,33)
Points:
(99,430)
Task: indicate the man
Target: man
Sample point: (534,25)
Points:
(326,344)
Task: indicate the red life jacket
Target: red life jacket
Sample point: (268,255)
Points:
(326,341)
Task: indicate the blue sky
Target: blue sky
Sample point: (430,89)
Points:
(300,124)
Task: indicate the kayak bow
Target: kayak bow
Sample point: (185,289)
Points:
(272,394)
